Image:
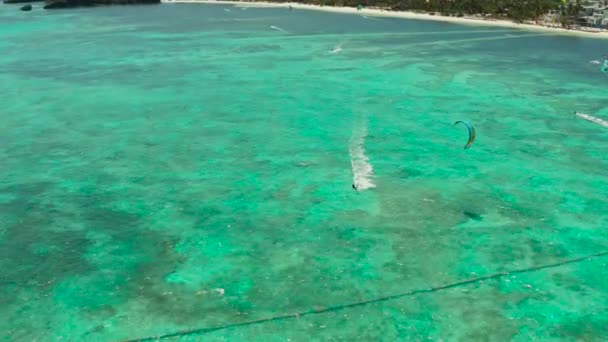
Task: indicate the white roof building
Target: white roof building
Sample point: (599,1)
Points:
(595,13)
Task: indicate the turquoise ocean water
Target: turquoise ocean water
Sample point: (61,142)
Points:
(180,167)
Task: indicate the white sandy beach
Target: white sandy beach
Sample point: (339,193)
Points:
(406,15)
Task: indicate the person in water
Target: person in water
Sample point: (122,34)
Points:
(354,186)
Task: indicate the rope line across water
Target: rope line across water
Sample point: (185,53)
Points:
(370,301)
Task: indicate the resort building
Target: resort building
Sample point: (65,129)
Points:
(594,13)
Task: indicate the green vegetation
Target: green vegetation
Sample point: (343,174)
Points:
(518,10)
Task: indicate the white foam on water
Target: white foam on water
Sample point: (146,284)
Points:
(278,29)
(593,119)
(337,49)
(595,62)
(361,167)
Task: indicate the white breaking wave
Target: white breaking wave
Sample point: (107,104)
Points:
(361,167)
(595,62)
(278,29)
(593,119)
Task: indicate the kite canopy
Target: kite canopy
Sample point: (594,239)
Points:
(471,133)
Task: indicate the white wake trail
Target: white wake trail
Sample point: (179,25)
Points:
(337,49)
(361,167)
(593,119)
(278,29)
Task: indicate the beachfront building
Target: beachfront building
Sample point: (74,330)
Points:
(551,18)
(594,13)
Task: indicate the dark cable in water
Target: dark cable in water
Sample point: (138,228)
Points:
(370,301)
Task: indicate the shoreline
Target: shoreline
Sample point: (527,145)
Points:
(377,12)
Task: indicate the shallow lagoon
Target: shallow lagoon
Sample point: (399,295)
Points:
(179,167)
